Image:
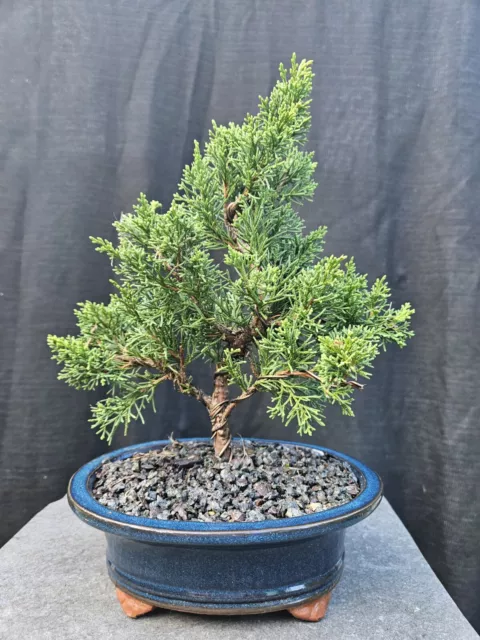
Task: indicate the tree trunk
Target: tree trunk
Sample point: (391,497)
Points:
(220,431)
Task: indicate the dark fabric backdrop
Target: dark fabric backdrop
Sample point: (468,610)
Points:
(100,100)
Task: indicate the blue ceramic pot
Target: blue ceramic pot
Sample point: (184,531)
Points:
(224,568)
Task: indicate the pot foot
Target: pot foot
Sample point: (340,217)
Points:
(312,611)
(131,606)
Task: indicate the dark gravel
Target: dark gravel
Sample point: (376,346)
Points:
(184,481)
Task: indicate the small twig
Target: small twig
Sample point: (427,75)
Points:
(94,328)
(285,179)
(292,374)
(132,361)
(356,385)
(161,379)
(231,403)
(174,442)
(253,366)
(230,211)
(307,374)
(244,448)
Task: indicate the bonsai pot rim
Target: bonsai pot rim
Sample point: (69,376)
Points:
(88,509)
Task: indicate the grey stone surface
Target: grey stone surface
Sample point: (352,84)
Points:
(54,586)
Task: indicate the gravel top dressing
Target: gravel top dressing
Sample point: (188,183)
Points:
(185,481)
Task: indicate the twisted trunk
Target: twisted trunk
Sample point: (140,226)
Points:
(219,416)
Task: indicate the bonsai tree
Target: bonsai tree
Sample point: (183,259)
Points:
(228,276)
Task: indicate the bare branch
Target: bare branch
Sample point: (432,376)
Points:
(307,374)
(200,395)
(292,374)
(179,378)
(232,403)
(132,361)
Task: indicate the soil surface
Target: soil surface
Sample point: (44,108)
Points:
(185,481)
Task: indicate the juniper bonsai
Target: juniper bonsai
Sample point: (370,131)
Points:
(228,276)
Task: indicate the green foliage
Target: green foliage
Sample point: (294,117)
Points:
(227,275)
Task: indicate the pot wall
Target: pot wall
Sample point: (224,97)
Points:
(227,579)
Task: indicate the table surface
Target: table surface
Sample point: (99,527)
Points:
(54,586)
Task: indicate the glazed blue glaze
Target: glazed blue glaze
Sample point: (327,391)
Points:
(233,568)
